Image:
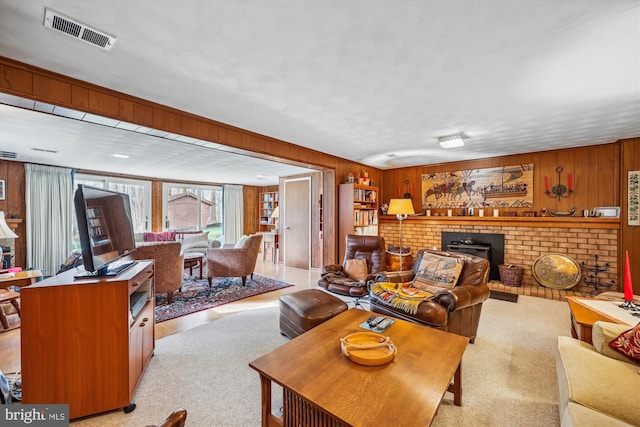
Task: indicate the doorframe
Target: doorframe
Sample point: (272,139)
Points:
(283,226)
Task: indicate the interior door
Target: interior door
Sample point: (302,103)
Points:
(296,227)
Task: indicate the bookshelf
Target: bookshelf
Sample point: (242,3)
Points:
(267,202)
(358,212)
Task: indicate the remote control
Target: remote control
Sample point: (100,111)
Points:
(382,325)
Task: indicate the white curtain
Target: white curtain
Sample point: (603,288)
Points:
(49,220)
(233,207)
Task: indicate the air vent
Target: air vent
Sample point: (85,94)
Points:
(44,150)
(75,29)
(8,155)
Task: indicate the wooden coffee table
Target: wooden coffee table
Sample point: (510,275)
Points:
(321,385)
(583,317)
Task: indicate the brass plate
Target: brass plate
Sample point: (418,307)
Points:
(556,271)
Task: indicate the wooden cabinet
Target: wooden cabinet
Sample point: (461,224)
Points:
(358,212)
(85,342)
(267,202)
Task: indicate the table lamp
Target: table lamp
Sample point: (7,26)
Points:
(276,214)
(401,208)
(5,233)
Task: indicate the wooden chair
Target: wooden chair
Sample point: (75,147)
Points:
(176,419)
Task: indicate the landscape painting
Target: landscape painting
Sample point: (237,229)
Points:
(498,187)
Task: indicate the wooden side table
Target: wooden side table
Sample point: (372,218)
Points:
(22,278)
(583,318)
(193,259)
(7,296)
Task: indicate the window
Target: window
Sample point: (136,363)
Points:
(192,207)
(139,195)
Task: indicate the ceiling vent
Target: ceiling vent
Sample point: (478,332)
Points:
(73,28)
(8,155)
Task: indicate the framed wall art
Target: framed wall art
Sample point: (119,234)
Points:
(498,187)
(3,190)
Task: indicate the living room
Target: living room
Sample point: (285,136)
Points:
(599,172)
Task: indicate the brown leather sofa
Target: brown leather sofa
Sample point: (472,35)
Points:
(370,248)
(455,310)
(168,266)
(234,260)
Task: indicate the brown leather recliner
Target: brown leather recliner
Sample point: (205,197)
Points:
(370,248)
(455,310)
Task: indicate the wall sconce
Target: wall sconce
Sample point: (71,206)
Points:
(558,190)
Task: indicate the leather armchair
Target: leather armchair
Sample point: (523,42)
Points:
(456,309)
(370,248)
(237,260)
(168,265)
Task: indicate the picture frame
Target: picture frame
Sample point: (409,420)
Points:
(3,191)
(607,211)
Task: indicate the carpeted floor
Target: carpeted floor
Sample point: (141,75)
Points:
(196,295)
(508,375)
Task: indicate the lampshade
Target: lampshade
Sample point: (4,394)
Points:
(276,212)
(5,231)
(400,207)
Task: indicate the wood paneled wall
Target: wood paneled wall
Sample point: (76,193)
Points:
(596,172)
(629,235)
(14,204)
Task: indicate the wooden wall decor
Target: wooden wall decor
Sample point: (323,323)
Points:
(499,187)
(633,195)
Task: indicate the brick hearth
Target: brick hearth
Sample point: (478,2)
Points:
(524,243)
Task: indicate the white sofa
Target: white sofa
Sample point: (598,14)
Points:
(598,386)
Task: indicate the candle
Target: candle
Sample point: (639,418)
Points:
(570,182)
(546,183)
(449,212)
(496,212)
(628,286)
(480,212)
(428,212)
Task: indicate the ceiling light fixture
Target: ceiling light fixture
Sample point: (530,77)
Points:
(452,141)
(121,156)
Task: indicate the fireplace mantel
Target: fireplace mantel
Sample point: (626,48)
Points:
(13,222)
(506,221)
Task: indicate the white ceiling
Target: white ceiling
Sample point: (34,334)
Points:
(371,81)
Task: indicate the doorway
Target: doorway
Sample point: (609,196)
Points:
(296,227)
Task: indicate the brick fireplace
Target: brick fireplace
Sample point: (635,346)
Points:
(524,241)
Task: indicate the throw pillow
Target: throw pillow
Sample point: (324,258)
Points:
(437,272)
(628,343)
(199,241)
(356,269)
(241,242)
(161,236)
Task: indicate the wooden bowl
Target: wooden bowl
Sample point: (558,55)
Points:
(368,348)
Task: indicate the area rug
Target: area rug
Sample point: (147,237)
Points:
(196,295)
(508,374)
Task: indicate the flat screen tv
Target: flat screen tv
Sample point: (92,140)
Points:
(106,231)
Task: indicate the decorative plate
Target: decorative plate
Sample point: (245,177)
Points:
(556,271)
(368,348)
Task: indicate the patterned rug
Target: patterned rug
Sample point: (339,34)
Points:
(196,295)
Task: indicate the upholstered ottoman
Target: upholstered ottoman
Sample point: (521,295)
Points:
(303,310)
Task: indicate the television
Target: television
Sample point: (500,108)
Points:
(105,228)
